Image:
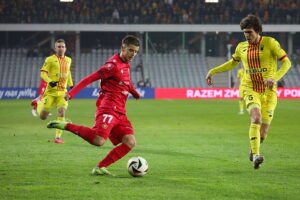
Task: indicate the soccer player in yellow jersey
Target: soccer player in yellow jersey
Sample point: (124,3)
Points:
(56,72)
(259,55)
(237,83)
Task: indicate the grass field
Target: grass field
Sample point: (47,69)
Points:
(196,149)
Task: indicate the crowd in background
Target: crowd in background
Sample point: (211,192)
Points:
(148,11)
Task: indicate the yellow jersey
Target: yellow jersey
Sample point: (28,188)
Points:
(58,70)
(259,61)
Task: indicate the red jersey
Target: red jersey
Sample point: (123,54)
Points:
(115,84)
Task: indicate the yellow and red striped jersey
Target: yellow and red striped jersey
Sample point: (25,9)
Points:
(259,61)
(58,69)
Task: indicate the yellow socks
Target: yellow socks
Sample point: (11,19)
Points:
(58,132)
(241,104)
(254,135)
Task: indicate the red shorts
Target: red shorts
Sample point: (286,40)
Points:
(112,125)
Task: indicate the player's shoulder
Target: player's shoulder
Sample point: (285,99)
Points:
(68,58)
(242,44)
(50,58)
(269,40)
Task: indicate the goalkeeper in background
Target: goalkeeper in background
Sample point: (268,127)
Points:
(56,73)
(259,55)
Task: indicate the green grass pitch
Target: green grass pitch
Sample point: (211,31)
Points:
(196,149)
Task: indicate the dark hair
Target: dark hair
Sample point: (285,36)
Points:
(251,21)
(130,39)
(60,40)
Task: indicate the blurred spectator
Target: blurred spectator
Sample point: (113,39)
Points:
(139,68)
(147,11)
(143,83)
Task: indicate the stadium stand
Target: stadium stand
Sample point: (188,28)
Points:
(148,11)
(163,69)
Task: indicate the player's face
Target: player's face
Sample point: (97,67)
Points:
(128,52)
(60,48)
(251,35)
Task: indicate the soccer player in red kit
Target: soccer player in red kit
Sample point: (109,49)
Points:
(41,90)
(111,120)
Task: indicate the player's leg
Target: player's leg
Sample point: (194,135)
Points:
(96,135)
(44,106)
(241,106)
(268,107)
(58,132)
(121,133)
(253,102)
(86,133)
(34,102)
(241,101)
(62,106)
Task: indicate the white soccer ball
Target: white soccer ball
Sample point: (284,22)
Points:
(137,166)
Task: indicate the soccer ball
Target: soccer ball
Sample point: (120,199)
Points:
(137,166)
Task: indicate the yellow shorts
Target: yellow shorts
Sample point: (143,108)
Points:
(266,101)
(50,101)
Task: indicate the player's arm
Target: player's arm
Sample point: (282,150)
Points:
(286,63)
(82,84)
(285,66)
(133,91)
(105,72)
(70,80)
(44,74)
(229,65)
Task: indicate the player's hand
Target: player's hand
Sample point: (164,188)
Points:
(209,79)
(67,97)
(136,95)
(53,83)
(270,83)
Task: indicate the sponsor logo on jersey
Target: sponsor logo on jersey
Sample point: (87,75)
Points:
(254,71)
(62,75)
(104,126)
(109,66)
(125,92)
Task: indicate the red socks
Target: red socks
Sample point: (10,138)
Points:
(85,133)
(89,135)
(114,155)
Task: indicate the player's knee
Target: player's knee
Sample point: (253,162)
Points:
(61,112)
(99,141)
(256,120)
(43,116)
(256,116)
(129,140)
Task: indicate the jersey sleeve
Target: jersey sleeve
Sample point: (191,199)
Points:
(229,65)
(44,71)
(133,91)
(236,56)
(276,49)
(107,70)
(84,82)
(46,65)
